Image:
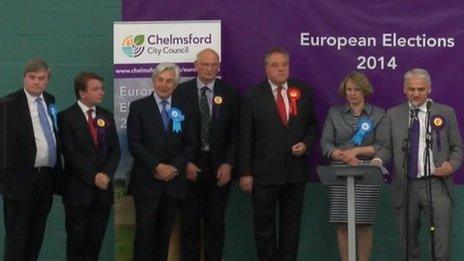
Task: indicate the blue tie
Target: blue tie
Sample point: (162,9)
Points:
(164,115)
(414,145)
(47,132)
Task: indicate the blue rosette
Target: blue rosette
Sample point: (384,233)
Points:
(177,117)
(364,128)
(53,111)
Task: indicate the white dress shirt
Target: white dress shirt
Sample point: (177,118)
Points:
(85,110)
(421,157)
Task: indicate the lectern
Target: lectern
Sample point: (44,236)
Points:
(351,175)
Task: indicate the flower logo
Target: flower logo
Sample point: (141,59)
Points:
(132,46)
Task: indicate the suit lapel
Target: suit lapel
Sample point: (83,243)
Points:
(82,123)
(404,121)
(437,136)
(196,100)
(155,112)
(291,118)
(48,101)
(217,109)
(24,110)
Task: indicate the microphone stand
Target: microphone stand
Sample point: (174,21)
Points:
(428,175)
(407,170)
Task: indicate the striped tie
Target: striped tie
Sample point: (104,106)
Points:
(164,115)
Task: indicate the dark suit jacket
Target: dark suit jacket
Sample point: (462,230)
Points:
(151,145)
(83,160)
(224,121)
(265,143)
(22,150)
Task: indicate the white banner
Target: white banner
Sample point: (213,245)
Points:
(138,48)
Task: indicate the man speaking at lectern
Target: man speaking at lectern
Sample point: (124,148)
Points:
(425,159)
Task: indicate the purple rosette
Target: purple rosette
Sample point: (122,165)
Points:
(102,125)
(438,122)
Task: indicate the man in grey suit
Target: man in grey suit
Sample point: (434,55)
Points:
(417,185)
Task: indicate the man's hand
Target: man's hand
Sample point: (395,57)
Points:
(102,180)
(298,149)
(246,183)
(444,170)
(223,174)
(165,172)
(191,171)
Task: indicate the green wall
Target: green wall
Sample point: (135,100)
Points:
(71,36)
(318,237)
(77,35)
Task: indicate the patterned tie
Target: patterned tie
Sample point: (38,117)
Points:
(281,106)
(205,119)
(92,126)
(165,115)
(414,145)
(47,132)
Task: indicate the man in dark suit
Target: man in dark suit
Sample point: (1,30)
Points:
(277,128)
(162,138)
(415,182)
(215,105)
(33,166)
(91,152)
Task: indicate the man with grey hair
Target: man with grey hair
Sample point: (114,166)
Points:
(28,194)
(424,140)
(162,139)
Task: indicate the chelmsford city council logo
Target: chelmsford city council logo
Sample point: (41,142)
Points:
(132,46)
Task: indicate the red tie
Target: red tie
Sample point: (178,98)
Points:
(281,106)
(92,127)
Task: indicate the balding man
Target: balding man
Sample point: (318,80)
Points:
(208,175)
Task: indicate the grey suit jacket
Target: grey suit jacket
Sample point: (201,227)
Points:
(446,146)
(339,128)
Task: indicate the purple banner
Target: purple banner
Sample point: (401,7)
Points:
(146,70)
(328,39)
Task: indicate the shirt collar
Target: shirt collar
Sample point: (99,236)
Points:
(274,87)
(84,108)
(158,99)
(210,85)
(31,98)
(422,108)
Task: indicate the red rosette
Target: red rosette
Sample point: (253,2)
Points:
(293,94)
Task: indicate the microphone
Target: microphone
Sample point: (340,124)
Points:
(428,104)
(428,130)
